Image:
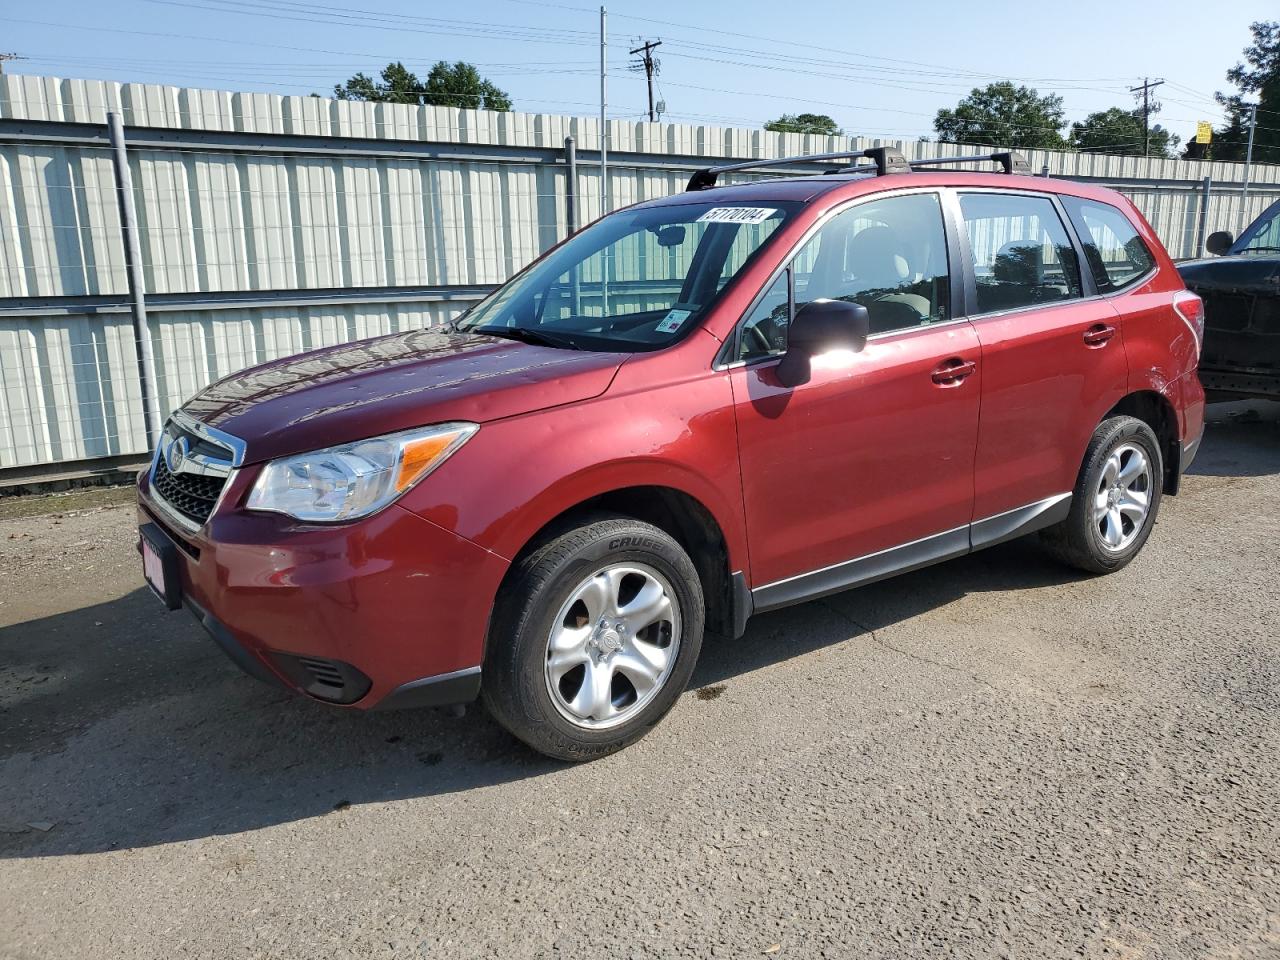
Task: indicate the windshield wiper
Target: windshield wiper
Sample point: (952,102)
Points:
(525,335)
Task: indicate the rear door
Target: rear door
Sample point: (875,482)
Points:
(1053,359)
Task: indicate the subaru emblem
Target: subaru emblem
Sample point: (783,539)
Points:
(175,455)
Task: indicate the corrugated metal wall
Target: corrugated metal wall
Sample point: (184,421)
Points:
(241,231)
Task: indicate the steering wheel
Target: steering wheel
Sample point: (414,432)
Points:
(759,343)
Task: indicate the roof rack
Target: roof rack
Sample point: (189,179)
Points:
(1010,161)
(885,159)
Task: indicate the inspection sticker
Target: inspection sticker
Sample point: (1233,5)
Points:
(672,321)
(737,215)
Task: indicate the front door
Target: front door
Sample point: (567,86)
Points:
(876,451)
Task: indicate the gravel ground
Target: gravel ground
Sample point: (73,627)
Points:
(990,758)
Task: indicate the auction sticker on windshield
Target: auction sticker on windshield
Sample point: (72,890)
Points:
(737,215)
(673,320)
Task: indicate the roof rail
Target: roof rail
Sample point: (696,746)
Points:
(1011,162)
(886,159)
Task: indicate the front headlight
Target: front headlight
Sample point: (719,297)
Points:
(353,480)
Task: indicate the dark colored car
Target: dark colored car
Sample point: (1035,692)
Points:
(698,408)
(1241,292)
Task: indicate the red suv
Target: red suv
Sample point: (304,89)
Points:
(700,407)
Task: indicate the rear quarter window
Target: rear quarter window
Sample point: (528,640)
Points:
(1116,253)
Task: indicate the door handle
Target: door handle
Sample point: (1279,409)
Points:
(951,373)
(1099,334)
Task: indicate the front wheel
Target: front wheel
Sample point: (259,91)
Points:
(594,638)
(1115,501)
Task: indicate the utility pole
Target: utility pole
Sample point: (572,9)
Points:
(645,52)
(8,56)
(604,120)
(135,277)
(1147,86)
(1248,160)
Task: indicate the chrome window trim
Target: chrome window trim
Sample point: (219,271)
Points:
(883,335)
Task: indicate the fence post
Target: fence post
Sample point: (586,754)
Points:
(133,268)
(571,185)
(1206,185)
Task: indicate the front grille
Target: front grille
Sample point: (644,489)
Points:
(191,494)
(193,463)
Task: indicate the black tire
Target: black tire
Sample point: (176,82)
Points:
(514,685)
(1078,541)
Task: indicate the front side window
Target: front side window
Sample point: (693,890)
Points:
(1115,252)
(635,280)
(889,255)
(1022,256)
(1264,237)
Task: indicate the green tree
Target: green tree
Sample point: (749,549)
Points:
(461,85)
(398,85)
(1258,77)
(1004,115)
(1120,131)
(447,85)
(805,123)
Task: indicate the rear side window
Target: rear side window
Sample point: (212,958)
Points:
(1116,254)
(1022,255)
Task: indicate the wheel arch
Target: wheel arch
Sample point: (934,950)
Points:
(687,520)
(1156,411)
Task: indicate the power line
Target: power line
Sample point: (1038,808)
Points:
(886,67)
(326,15)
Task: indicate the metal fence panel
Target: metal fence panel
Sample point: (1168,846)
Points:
(246,202)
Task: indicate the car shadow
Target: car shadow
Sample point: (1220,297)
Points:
(1241,439)
(124,726)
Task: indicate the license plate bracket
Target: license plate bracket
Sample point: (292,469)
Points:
(160,565)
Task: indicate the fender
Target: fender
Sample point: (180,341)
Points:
(517,475)
(620,475)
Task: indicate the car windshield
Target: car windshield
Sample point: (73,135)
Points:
(635,280)
(1264,236)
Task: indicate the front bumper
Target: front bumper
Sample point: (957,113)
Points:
(389,611)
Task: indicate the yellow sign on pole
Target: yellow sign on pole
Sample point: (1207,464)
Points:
(1204,132)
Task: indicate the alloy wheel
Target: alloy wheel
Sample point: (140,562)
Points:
(612,645)
(1122,500)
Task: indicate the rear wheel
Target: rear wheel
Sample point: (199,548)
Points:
(1115,501)
(594,639)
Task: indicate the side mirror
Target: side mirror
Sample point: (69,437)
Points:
(819,326)
(1220,242)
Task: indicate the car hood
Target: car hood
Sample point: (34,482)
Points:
(392,383)
(1247,273)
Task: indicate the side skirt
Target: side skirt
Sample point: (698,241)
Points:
(1019,522)
(912,556)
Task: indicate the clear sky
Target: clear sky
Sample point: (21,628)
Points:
(881,69)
